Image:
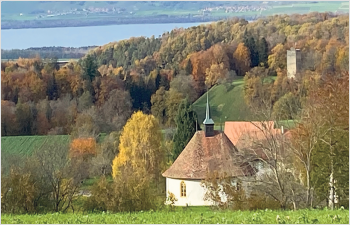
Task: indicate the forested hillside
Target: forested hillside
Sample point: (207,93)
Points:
(140,92)
(155,74)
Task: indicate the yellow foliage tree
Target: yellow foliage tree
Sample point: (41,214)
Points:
(242,59)
(278,58)
(140,146)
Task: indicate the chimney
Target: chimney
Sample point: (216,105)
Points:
(282,129)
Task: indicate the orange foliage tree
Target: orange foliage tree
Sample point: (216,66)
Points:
(82,147)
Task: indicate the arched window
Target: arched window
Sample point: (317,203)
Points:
(182,189)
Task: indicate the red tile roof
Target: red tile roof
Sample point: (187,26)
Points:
(203,154)
(247,136)
(239,131)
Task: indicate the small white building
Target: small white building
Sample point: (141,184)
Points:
(207,151)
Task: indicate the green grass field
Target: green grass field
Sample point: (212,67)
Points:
(226,103)
(25,145)
(17,148)
(22,146)
(190,215)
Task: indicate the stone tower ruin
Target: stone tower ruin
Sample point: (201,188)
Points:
(293,62)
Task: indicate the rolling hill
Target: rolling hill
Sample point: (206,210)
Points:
(226,103)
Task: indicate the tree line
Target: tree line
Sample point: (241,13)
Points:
(46,52)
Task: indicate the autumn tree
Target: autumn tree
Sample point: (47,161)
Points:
(276,177)
(45,181)
(107,85)
(257,90)
(24,118)
(343,59)
(8,118)
(115,111)
(85,125)
(61,176)
(215,74)
(278,57)
(242,59)
(64,113)
(13,197)
(83,147)
(173,100)
(184,85)
(131,191)
(85,101)
(140,146)
(158,108)
(287,107)
(321,140)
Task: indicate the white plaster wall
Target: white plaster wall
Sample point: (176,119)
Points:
(194,192)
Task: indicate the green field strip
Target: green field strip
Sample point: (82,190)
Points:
(28,143)
(20,148)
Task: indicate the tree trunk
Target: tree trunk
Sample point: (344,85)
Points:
(331,183)
(307,189)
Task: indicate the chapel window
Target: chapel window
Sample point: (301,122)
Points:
(183,189)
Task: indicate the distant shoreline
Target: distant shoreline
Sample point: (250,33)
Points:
(108,25)
(37,24)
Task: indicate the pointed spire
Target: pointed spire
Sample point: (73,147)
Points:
(207,111)
(208,120)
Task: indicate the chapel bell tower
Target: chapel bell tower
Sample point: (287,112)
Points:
(208,122)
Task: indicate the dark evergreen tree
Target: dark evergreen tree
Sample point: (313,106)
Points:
(164,82)
(137,89)
(186,127)
(263,52)
(15,95)
(158,79)
(89,68)
(188,67)
(52,90)
(249,42)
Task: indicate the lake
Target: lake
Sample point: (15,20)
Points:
(81,36)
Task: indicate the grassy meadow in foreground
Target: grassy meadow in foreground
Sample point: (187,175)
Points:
(188,216)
